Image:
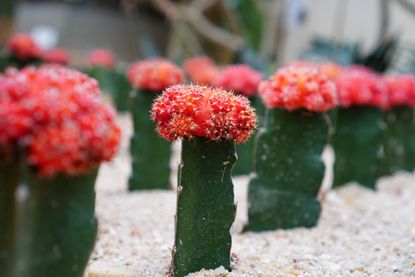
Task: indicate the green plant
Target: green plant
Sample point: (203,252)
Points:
(357,140)
(399,133)
(149,152)
(358,143)
(209,121)
(287,165)
(53,158)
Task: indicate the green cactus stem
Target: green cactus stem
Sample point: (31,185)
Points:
(245,151)
(58,226)
(105,77)
(399,140)
(205,206)
(9,180)
(289,170)
(150,153)
(121,92)
(357,144)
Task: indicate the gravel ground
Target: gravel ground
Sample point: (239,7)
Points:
(360,233)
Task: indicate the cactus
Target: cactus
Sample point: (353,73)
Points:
(121,93)
(21,51)
(209,121)
(58,228)
(289,171)
(51,231)
(357,140)
(358,144)
(8,184)
(243,80)
(205,206)
(150,153)
(105,78)
(287,157)
(399,132)
(398,140)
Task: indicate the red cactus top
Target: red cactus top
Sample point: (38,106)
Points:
(239,78)
(184,111)
(56,56)
(358,86)
(101,57)
(401,90)
(23,46)
(201,70)
(299,85)
(154,74)
(55,115)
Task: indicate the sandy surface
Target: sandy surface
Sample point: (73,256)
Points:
(360,233)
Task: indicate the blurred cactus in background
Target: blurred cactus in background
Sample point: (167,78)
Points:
(150,154)
(288,167)
(357,140)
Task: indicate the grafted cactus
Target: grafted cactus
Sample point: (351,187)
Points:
(243,80)
(54,157)
(399,135)
(21,50)
(288,166)
(358,137)
(209,121)
(150,153)
(102,67)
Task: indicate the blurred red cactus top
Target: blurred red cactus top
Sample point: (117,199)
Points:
(239,78)
(362,87)
(56,56)
(23,47)
(401,90)
(154,74)
(184,111)
(201,70)
(330,70)
(55,116)
(299,85)
(101,57)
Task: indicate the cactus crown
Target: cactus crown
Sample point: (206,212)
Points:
(101,57)
(56,56)
(358,86)
(201,70)
(299,85)
(401,90)
(239,78)
(154,74)
(23,46)
(56,116)
(330,70)
(184,111)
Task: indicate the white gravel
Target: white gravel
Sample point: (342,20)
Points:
(361,232)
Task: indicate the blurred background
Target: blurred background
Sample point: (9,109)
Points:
(251,31)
